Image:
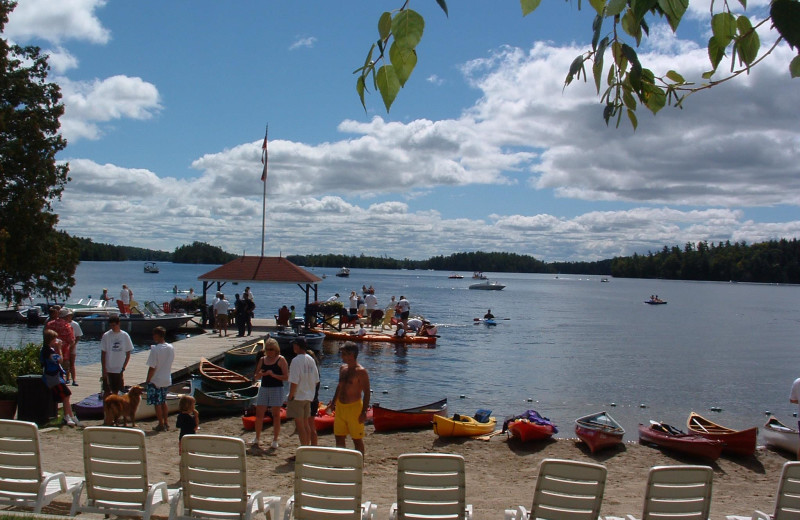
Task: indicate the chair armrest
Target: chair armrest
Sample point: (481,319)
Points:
(175,504)
(288,512)
(76,498)
(760,515)
(468,512)
(155,488)
(520,513)
(368,510)
(631,517)
(49,477)
(393,511)
(272,505)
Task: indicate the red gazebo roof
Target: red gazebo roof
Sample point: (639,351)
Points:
(260,269)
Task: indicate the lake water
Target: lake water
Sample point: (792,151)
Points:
(565,346)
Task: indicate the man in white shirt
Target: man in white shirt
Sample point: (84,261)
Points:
(303,379)
(221,312)
(334,298)
(125,296)
(115,352)
(159,376)
(371,301)
(404,307)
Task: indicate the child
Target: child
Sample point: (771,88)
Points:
(53,374)
(188,421)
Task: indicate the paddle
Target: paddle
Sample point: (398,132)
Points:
(697,423)
(489,436)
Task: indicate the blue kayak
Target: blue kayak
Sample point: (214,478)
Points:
(489,322)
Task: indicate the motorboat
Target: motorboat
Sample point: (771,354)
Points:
(456,276)
(89,306)
(136,324)
(478,275)
(285,338)
(344,272)
(151,267)
(488,286)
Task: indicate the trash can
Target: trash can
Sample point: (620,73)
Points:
(35,401)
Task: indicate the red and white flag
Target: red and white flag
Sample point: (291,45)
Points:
(264,156)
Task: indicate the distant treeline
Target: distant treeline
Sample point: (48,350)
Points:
(776,261)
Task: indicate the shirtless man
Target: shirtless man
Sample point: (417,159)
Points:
(351,399)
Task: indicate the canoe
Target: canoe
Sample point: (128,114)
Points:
(525,430)
(666,436)
(461,426)
(385,338)
(387,419)
(91,407)
(243,355)
(249,421)
(777,435)
(215,377)
(655,302)
(224,402)
(599,431)
(738,442)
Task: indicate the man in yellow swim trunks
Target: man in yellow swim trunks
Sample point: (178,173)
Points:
(351,399)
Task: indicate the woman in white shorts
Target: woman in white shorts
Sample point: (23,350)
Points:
(273,370)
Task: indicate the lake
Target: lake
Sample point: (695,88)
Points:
(566,346)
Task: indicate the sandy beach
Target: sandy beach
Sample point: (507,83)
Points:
(500,472)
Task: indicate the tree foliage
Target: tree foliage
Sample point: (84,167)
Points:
(96,252)
(617,29)
(201,253)
(34,257)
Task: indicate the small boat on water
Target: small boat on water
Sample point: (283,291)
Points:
(215,377)
(666,436)
(151,267)
(599,431)
(655,301)
(488,286)
(478,275)
(137,323)
(456,276)
(224,402)
(387,419)
(777,435)
(739,442)
(344,272)
(91,407)
(243,355)
(285,339)
(249,421)
(461,426)
(530,426)
(89,306)
(385,338)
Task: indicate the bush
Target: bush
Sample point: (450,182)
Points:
(8,393)
(19,362)
(334,308)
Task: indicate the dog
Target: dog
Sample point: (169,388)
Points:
(116,407)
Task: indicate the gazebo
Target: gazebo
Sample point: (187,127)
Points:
(261,269)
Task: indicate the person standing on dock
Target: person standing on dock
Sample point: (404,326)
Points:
(403,308)
(351,400)
(115,352)
(273,370)
(58,322)
(159,376)
(303,379)
(221,312)
(125,297)
(241,312)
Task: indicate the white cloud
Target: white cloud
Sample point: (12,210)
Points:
(61,60)
(305,42)
(434,79)
(58,20)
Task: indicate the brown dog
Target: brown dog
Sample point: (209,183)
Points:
(123,407)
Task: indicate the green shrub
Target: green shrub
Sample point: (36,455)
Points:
(19,362)
(8,393)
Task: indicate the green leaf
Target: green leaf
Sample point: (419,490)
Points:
(786,19)
(597,26)
(597,67)
(615,7)
(723,27)
(744,4)
(749,44)
(632,26)
(674,10)
(632,117)
(655,98)
(407,27)
(640,8)
(599,6)
(794,67)
(529,6)
(368,61)
(388,85)
(361,86)
(628,100)
(403,60)
(443,5)
(708,74)
(675,77)
(385,26)
(574,68)
(715,53)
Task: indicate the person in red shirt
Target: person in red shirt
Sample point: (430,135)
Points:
(63,328)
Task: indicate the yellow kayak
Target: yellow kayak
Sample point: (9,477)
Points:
(461,426)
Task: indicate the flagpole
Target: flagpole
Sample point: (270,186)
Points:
(264,159)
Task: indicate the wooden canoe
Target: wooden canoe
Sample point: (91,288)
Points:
(778,435)
(386,419)
(215,377)
(526,431)
(738,442)
(666,436)
(599,431)
(243,355)
(224,402)
(383,338)
(249,421)
(461,426)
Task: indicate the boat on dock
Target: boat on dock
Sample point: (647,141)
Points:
(215,377)
(599,431)
(91,407)
(387,419)
(738,442)
(285,338)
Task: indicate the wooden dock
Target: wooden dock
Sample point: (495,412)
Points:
(187,357)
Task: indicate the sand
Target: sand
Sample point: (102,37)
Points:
(501,472)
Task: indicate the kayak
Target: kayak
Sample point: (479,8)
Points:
(385,338)
(739,442)
(249,421)
(461,426)
(666,436)
(387,419)
(526,430)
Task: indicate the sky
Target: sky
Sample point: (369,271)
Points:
(166,106)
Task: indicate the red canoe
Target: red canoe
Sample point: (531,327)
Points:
(249,421)
(671,438)
(387,419)
(323,421)
(525,430)
(738,442)
(599,431)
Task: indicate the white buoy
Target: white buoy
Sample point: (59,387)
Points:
(767,412)
(325,387)
(642,405)
(612,404)
(385,392)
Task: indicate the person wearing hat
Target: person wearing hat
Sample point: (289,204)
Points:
(73,354)
(303,379)
(61,326)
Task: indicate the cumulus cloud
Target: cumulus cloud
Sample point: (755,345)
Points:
(57,21)
(305,42)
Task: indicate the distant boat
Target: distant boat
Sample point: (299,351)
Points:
(456,276)
(488,286)
(150,267)
(604,279)
(344,272)
(655,301)
(478,275)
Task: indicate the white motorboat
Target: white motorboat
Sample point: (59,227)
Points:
(488,286)
(151,267)
(140,324)
(90,306)
(344,272)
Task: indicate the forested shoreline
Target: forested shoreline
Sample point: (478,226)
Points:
(775,261)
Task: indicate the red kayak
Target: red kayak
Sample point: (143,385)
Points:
(669,437)
(386,419)
(249,421)
(525,430)
(323,421)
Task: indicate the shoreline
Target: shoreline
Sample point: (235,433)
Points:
(501,472)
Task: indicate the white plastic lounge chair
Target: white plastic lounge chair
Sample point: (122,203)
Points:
(431,485)
(677,493)
(115,465)
(327,485)
(565,490)
(214,482)
(787,501)
(22,482)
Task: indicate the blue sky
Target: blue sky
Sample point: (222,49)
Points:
(166,104)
